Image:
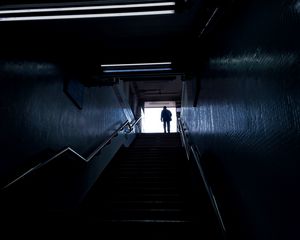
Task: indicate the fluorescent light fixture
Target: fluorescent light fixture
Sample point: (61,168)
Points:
(82,16)
(32,14)
(136,64)
(85,8)
(137,70)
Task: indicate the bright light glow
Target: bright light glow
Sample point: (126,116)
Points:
(151,121)
(104,7)
(81,16)
(137,70)
(135,64)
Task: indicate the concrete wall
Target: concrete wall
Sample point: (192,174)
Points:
(247,119)
(37,115)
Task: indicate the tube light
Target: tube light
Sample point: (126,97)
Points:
(86,8)
(137,70)
(70,12)
(83,16)
(135,64)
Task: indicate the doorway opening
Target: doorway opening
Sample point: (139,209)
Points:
(151,122)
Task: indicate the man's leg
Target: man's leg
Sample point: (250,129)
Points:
(168,124)
(165,126)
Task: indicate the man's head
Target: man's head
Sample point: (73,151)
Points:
(165,107)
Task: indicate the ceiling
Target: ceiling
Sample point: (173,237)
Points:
(106,40)
(88,43)
(159,90)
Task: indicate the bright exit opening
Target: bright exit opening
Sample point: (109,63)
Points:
(151,122)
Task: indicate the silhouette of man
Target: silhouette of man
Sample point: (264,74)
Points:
(166,117)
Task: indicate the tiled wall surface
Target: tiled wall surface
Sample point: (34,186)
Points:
(37,115)
(247,119)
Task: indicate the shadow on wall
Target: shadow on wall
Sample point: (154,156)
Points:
(220,186)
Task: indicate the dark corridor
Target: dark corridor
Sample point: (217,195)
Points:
(75,76)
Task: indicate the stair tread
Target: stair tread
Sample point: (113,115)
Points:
(148,183)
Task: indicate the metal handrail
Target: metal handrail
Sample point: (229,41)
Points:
(197,156)
(39,165)
(212,198)
(98,149)
(132,125)
(68,149)
(184,138)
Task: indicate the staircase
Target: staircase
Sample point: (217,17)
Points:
(149,191)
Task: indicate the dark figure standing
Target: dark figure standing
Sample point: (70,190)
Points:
(166,117)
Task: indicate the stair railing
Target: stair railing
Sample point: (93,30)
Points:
(193,149)
(126,124)
(184,138)
(133,123)
(107,141)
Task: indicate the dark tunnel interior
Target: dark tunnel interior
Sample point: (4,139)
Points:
(232,67)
